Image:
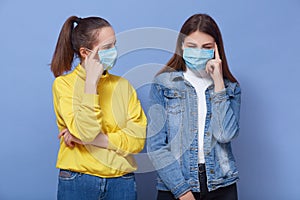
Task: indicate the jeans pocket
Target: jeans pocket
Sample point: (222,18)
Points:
(66,175)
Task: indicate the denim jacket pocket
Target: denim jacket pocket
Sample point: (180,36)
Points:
(67,175)
(174,101)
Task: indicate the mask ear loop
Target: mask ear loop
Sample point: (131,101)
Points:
(89,50)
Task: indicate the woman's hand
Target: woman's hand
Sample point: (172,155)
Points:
(69,139)
(100,141)
(94,70)
(187,196)
(214,68)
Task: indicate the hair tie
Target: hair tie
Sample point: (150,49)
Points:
(78,20)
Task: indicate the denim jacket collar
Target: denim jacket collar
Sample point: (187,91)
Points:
(178,75)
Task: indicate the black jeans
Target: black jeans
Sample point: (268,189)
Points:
(224,193)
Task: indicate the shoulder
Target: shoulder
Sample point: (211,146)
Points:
(232,87)
(121,84)
(63,83)
(116,78)
(119,80)
(61,80)
(168,79)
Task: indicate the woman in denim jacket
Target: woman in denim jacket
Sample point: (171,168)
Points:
(194,115)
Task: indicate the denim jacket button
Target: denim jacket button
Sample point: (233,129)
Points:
(212,171)
(207,133)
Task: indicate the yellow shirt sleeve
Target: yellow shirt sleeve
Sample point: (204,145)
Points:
(131,138)
(80,113)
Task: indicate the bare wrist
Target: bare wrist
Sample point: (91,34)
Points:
(219,85)
(90,88)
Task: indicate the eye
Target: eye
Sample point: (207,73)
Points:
(191,46)
(109,46)
(208,46)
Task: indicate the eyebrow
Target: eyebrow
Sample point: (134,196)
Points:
(191,43)
(205,44)
(107,44)
(208,43)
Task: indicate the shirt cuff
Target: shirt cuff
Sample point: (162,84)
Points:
(91,100)
(181,190)
(114,143)
(219,96)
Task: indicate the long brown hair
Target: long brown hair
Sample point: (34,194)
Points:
(203,23)
(72,38)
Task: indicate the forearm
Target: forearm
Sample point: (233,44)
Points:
(90,87)
(170,174)
(127,141)
(219,84)
(100,141)
(224,123)
(225,115)
(87,120)
(166,164)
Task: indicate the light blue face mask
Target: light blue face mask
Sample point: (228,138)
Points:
(108,57)
(196,59)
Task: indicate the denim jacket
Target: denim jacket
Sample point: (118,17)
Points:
(172,134)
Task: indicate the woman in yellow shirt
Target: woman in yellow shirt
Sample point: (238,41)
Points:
(99,116)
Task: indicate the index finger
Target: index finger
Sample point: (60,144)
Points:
(62,133)
(93,53)
(217,55)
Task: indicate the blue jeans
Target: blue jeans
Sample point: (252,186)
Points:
(74,185)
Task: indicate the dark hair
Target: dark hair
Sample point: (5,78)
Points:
(71,39)
(203,23)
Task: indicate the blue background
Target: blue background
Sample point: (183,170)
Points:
(262,45)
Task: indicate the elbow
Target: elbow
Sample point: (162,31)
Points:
(138,142)
(139,146)
(226,135)
(130,147)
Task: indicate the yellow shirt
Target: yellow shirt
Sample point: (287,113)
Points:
(115,111)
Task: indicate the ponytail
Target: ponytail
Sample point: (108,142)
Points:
(64,52)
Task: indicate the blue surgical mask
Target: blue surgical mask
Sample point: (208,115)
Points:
(108,57)
(196,59)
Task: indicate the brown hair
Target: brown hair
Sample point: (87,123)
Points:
(71,39)
(203,23)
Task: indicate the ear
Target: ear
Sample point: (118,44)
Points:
(83,52)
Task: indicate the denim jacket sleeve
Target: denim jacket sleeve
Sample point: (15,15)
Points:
(225,113)
(164,161)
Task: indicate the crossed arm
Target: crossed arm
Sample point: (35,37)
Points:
(101,139)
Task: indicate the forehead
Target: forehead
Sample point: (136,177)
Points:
(106,35)
(199,37)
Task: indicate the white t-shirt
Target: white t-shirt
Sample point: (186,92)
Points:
(200,81)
